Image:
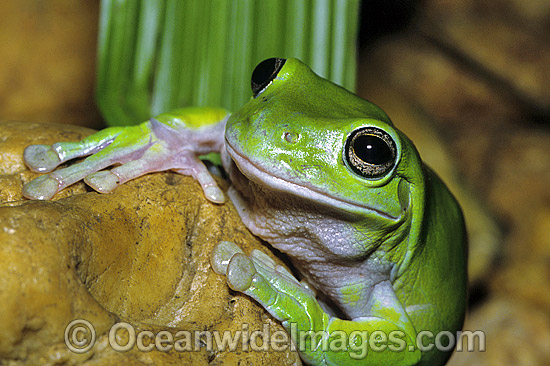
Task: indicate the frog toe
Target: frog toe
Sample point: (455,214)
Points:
(41,158)
(196,168)
(214,194)
(41,188)
(104,181)
(222,254)
(240,272)
(262,257)
(267,267)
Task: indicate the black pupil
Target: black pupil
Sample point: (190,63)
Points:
(372,149)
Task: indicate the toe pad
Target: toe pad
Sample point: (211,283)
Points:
(41,158)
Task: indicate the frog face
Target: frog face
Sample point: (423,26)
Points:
(304,135)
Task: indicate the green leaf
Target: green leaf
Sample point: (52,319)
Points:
(154,56)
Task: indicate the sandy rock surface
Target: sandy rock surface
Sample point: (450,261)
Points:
(139,255)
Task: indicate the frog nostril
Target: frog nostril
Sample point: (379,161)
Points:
(291,137)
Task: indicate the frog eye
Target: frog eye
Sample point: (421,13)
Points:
(264,74)
(370,152)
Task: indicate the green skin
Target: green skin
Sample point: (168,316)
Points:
(385,253)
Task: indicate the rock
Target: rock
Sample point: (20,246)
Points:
(139,255)
(520,176)
(525,270)
(48,58)
(519,191)
(454,98)
(515,334)
(533,15)
(505,48)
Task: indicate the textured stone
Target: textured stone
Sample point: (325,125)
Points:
(48,52)
(525,268)
(501,39)
(140,255)
(516,334)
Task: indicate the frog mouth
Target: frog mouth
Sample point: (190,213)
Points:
(260,176)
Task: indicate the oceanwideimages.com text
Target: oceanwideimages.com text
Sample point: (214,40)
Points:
(80,337)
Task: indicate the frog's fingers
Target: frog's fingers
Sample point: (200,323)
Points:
(45,158)
(192,165)
(258,257)
(281,296)
(154,159)
(46,186)
(41,158)
(158,157)
(222,254)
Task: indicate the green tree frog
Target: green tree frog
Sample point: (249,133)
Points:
(323,176)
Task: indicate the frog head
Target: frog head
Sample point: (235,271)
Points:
(312,141)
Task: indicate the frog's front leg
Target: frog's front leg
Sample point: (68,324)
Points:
(386,337)
(170,141)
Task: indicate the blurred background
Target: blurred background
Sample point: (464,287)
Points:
(467,80)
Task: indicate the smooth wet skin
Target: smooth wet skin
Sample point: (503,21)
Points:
(325,177)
